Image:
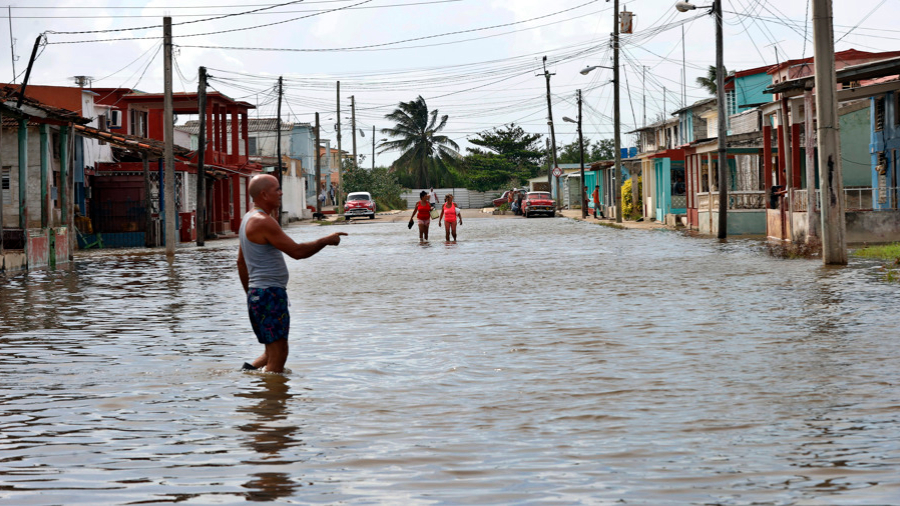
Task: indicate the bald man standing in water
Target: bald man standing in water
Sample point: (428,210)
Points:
(264,273)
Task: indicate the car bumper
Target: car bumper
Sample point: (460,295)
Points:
(540,209)
(358,212)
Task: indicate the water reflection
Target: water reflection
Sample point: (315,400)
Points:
(272,435)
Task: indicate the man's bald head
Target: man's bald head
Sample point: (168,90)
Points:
(261,183)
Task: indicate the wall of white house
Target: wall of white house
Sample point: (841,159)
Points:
(9,154)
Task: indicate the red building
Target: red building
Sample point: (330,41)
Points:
(135,115)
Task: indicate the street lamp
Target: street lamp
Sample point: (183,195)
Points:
(716,9)
(617,123)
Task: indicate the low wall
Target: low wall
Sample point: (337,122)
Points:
(465,199)
(872,226)
(740,222)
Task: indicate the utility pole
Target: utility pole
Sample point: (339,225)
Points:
(37,43)
(12,45)
(373,147)
(616,113)
(581,154)
(683,70)
(278,143)
(353,124)
(644,80)
(552,135)
(201,159)
(171,213)
(834,246)
(337,193)
(723,124)
(145,161)
(318,167)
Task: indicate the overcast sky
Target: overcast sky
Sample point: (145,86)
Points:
(477,60)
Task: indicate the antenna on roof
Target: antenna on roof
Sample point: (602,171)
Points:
(83,81)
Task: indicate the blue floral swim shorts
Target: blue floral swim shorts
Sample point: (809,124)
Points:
(269,315)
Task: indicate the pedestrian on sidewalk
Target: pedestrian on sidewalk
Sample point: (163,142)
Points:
(450,213)
(264,274)
(596,197)
(422,215)
(331,195)
(322,197)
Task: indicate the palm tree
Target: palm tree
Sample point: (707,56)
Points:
(709,81)
(426,156)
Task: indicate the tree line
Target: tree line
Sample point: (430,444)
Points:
(504,156)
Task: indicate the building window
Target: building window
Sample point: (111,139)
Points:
(251,143)
(879,114)
(6,193)
(730,102)
(115,118)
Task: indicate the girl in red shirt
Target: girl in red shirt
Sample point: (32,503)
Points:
(422,214)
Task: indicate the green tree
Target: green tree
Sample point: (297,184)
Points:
(593,152)
(381,182)
(506,156)
(709,80)
(425,154)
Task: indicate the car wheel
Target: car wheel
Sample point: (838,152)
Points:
(372,216)
(348,218)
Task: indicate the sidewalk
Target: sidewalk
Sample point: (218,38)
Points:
(575,214)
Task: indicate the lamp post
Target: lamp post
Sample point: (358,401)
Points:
(617,137)
(716,10)
(581,155)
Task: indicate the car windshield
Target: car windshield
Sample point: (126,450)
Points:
(539,196)
(358,197)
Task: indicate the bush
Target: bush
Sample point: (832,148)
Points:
(380,182)
(629,210)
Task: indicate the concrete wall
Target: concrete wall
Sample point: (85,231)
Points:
(749,89)
(740,222)
(9,155)
(873,226)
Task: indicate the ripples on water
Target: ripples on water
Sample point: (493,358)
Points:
(535,361)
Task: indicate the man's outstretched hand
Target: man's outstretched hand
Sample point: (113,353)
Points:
(334,239)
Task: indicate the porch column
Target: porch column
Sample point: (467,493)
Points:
(780,174)
(210,128)
(63,189)
(709,198)
(223,132)
(215,129)
(767,163)
(45,196)
(795,154)
(245,136)
(235,129)
(23,174)
(812,211)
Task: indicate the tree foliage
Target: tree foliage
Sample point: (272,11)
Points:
(709,80)
(430,158)
(506,156)
(593,151)
(381,182)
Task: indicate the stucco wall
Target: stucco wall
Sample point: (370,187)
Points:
(855,134)
(873,226)
(9,155)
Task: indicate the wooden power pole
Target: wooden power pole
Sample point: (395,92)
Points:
(171,213)
(318,167)
(353,124)
(559,196)
(340,188)
(278,145)
(617,118)
(201,159)
(834,246)
(581,156)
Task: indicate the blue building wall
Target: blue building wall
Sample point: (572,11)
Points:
(303,147)
(686,127)
(749,90)
(886,142)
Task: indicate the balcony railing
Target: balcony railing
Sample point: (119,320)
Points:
(737,200)
(855,199)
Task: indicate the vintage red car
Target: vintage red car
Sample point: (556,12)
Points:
(499,201)
(359,204)
(538,203)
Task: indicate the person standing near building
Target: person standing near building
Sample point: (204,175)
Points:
(596,197)
(264,274)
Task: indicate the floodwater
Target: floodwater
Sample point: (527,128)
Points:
(537,361)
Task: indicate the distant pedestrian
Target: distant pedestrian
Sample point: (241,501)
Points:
(264,274)
(596,197)
(322,197)
(450,213)
(510,198)
(331,195)
(422,215)
(433,198)
(584,199)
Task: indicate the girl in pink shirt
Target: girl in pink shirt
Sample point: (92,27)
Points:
(450,215)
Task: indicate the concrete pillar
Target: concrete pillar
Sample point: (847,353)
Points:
(45,179)
(23,174)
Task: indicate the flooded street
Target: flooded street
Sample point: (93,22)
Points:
(543,360)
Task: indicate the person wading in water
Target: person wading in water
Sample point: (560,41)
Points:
(264,273)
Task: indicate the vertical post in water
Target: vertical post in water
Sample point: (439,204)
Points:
(278,145)
(834,246)
(318,167)
(169,133)
(201,159)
